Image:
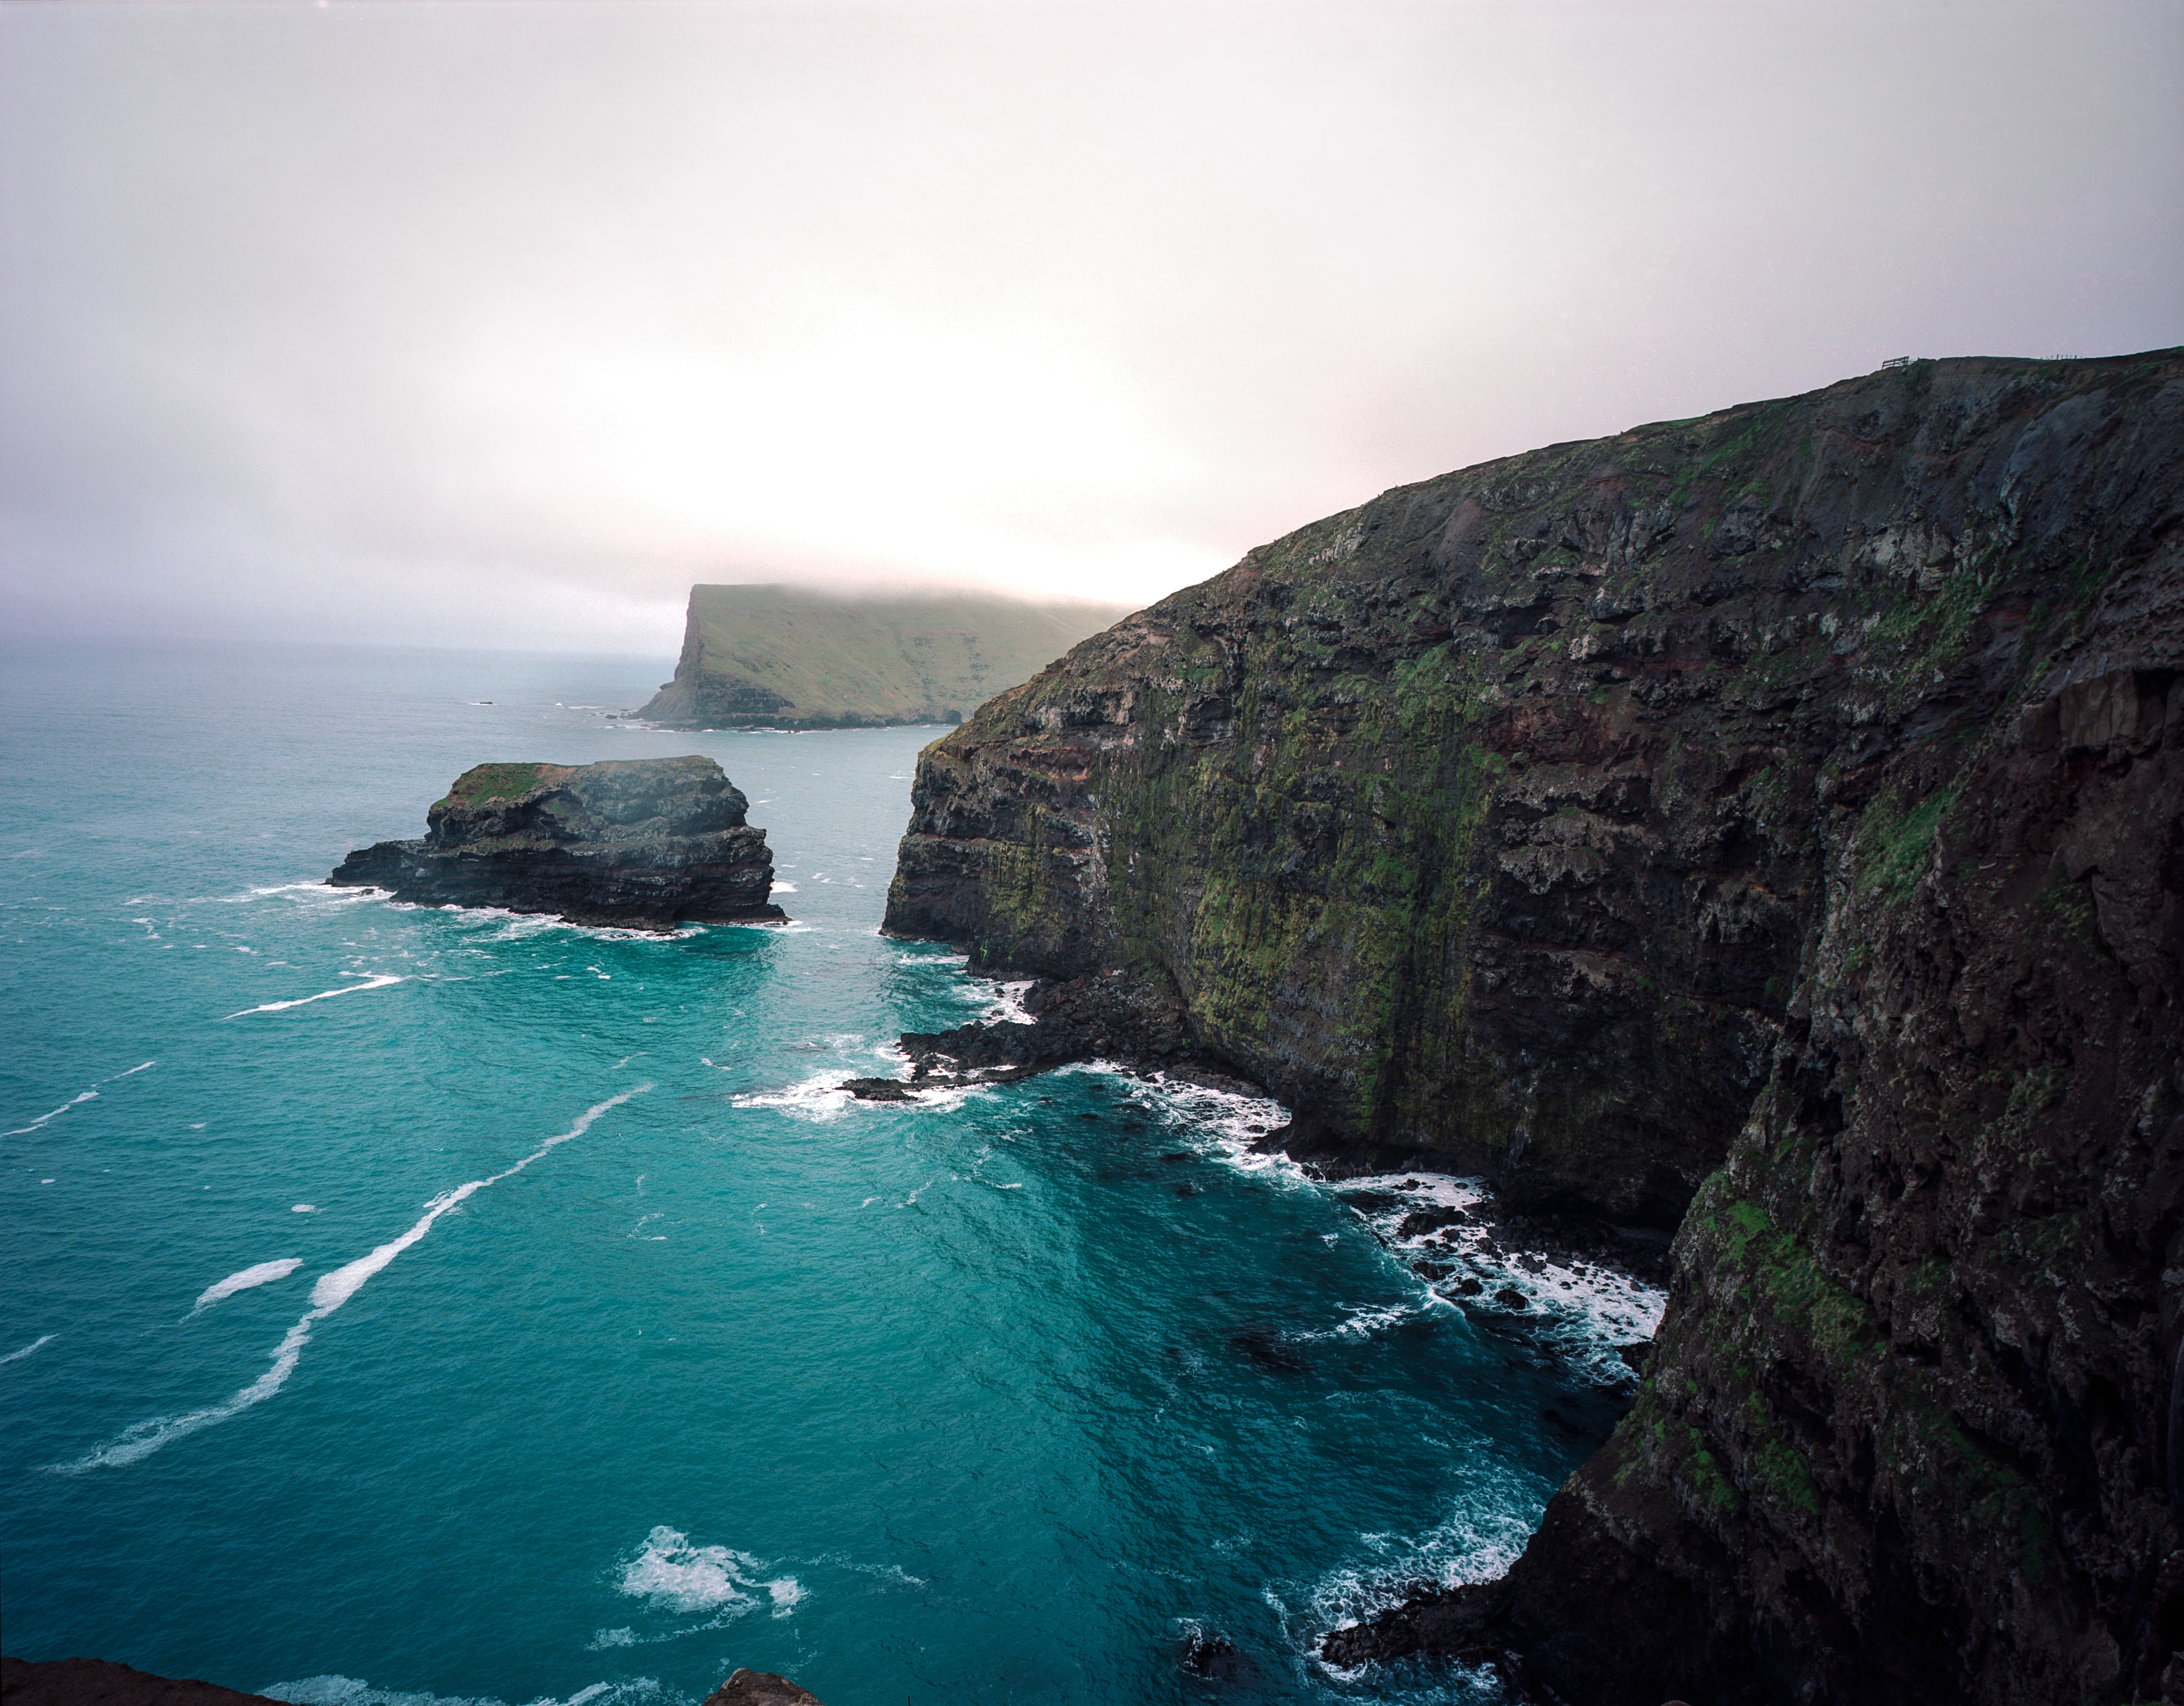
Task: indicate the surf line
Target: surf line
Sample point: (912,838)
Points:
(90,1095)
(377,980)
(262,1274)
(141,1439)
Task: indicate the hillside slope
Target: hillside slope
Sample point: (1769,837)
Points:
(1769,821)
(786,658)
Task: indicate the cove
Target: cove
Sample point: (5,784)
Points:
(695,1363)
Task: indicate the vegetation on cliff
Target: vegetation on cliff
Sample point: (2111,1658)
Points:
(1776,815)
(782,657)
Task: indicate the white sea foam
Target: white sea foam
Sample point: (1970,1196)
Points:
(90,1095)
(1004,1002)
(375,980)
(141,1439)
(352,1690)
(784,889)
(264,1273)
(1580,1312)
(822,1096)
(819,1097)
(1478,1544)
(318,889)
(17,1356)
(677,1576)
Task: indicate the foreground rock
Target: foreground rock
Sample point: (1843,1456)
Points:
(643,844)
(759,1688)
(101,1683)
(1772,823)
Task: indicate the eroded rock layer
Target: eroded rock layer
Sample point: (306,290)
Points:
(1771,820)
(645,844)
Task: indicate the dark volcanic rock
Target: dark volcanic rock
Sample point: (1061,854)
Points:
(759,1688)
(1774,822)
(1072,1019)
(1214,1659)
(1442,1622)
(645,844)
(101,1683)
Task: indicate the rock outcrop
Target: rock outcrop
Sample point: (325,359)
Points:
(759,1688)
(645,844)
(1773,823)
(783,657)
(101,1683)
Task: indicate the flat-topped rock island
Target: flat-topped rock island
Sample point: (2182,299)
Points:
(641,844)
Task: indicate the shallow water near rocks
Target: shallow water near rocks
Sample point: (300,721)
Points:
(404,1303)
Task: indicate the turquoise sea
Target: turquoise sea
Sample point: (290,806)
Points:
(404,1305)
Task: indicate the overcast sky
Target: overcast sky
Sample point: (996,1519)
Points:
(500,321)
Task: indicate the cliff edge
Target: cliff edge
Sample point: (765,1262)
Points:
(1771,824)
(645,844)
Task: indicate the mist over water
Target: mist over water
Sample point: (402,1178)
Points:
(403,1304)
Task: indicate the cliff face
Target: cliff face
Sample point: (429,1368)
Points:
(784,658)
(645,844)
(1776,815)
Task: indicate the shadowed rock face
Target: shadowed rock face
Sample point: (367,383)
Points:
(1770,821)
(100,1682)
(645,844)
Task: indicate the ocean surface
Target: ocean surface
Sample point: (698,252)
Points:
(405,1306)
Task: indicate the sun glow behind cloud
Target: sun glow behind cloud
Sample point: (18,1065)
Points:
(503,324)
(866,439)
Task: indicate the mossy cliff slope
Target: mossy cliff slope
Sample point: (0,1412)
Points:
(1797,788)
(783,657)
(643,842)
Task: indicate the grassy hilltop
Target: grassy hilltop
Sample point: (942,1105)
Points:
(791,659)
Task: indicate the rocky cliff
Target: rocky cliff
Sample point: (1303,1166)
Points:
(645,844)
(782,657)
(1769,821)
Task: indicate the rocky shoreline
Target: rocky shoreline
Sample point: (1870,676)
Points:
(1108,1019)
(1768,826)
(635,844)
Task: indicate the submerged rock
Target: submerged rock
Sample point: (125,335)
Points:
(1214,1659)
(643,844)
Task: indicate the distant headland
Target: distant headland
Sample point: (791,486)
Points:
(780,657)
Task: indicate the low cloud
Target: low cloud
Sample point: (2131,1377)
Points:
(501,326)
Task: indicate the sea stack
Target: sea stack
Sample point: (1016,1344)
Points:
(641,844)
